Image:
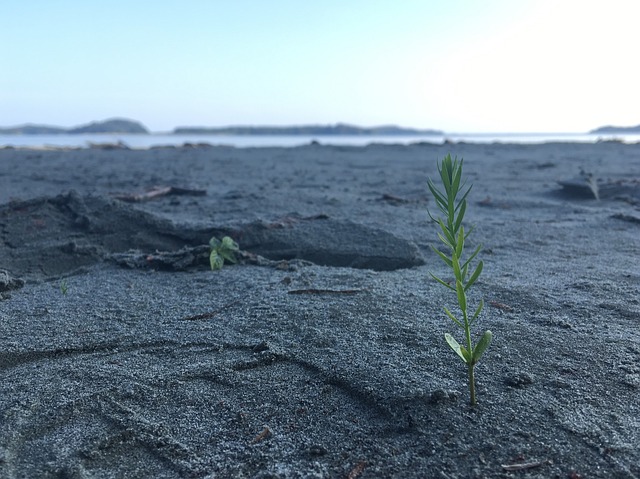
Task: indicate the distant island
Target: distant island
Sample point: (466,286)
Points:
(113,125)
(122,125)
(617,129)
(338,129)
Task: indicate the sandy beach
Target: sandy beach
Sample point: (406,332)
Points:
(321,354)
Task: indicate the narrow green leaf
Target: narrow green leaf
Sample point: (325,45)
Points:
(442,282)
(214,242)
(462,297)
(465,354)
(442,256)
(463,199)
(475,275)
(451,212)
(456,346)
(456,175)
(444,240)
(440,207)
(450,238)
(460,243)
(473,255)
(465,271)
(445,174)
(456,267)
(482,346)
(478,311)
(452,317)
(439,197)
(446,182)
(461,213)
(469,232)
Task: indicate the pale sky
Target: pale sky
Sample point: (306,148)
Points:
(456,65)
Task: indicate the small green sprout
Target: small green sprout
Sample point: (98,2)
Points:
(221,251)
(452,202)
(64,287)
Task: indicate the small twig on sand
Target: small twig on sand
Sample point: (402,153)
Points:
(158,191)
(357,470)
(524,465)
(325,291)
(502,306)
(264,434)
(393,198)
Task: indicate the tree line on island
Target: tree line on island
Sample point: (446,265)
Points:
(126,126)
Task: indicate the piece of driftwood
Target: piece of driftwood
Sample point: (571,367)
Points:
(324,291)
(629,218)
(8,282)
(158,191)
(522,466)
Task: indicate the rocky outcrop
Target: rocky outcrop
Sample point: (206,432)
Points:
(114,125)
(617,129)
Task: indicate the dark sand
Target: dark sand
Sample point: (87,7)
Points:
(123,355)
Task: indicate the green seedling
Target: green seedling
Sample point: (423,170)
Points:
(64,287)
(221,251)
(592,183)
(452,203)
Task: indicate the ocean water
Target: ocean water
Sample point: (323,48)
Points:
(244,141)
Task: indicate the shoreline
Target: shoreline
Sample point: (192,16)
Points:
(153,141)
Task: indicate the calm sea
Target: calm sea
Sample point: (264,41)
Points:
(147,141)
